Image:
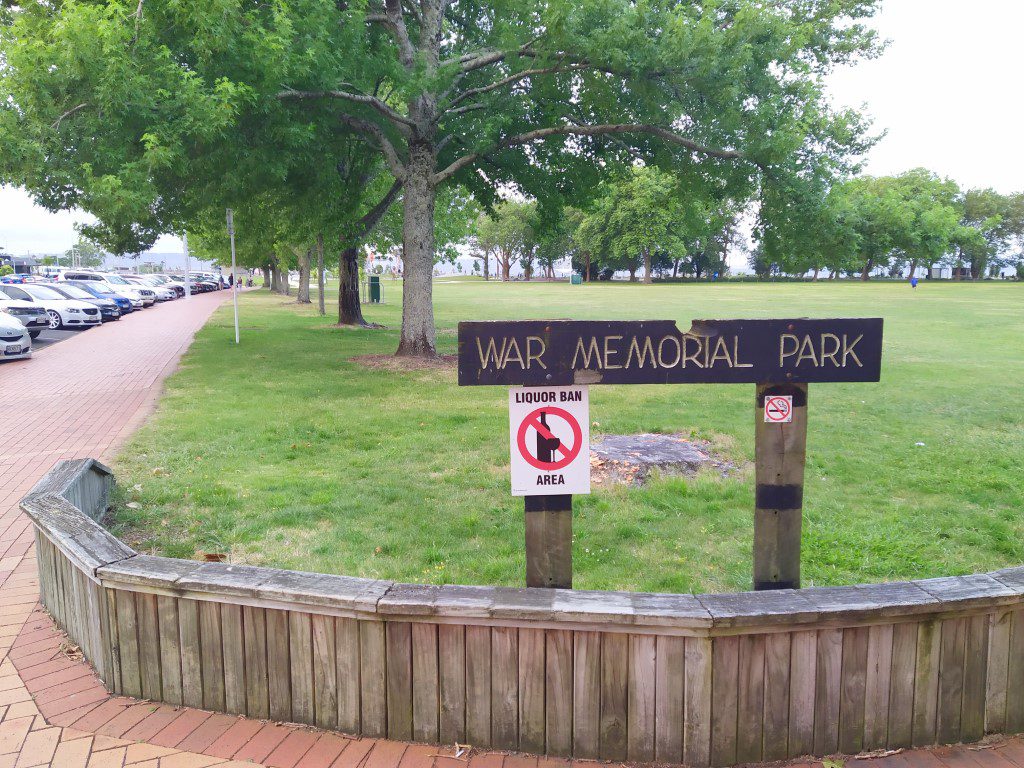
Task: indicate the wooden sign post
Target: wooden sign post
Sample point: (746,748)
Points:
(781,357)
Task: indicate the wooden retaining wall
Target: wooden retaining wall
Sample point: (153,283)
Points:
(706,680)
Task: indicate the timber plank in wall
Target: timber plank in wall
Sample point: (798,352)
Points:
(170,648)
(532,668)
(504,687)
(1015,676)
(697,702)
(724,699)
(346,639)
(669,674)
(901,686)
(149,645)
(234,658)
(926,682)
(128,642)
(853,689)
(257,682)
(951,680)
(425,685)
(827,691)
(279,678)
(614,695)
(399,679)
(478,685)
(972,713)
(777,651)
(115,642)
(586,696)
(212,655)
(999,625)
(372,679)
(558,693)
(640,721)
(108,633)
(750,699)
(876,687)
(451,641)
(191,661)
(300,649)
(325,672)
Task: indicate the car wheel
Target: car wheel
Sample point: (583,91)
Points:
(55,321)
(34,334)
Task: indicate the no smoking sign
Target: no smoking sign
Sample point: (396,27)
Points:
(778,409)
(549,431)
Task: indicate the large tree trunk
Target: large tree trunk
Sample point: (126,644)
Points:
(648,277)
(487,265)
(866,272)
(632,274)
(913,268)
(587,278)
(418,335)
(266,278)
(275,278)
(321,282)
(350,309)
(302,296)
(816,271)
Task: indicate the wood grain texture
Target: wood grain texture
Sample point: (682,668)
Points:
(972,712)
(750,699)
(614,696)
(828,675)
(128,644)
(325,672)
(372,679)
(149,645)
(191,660)
(478,685)
(234,658)
(211,652)
(257,681)
(398,637)
(532,690)
(724,699)
(876,687)
(558,692)
(999,625)
(300,649)
(951,680)
(451,641)
(803,675)
(586,695)
(504,687)
(346,647)
(279,683)
(641,698)
(170,649)
(777,651)
(697,689)
(901,685)
(853,689)
(1015,676)
(670,674)
(926,682)
(425,685)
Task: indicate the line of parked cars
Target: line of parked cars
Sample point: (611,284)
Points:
(78,298)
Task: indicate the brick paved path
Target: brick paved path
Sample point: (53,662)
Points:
(82,398)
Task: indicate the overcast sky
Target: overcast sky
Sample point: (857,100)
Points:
(947,91)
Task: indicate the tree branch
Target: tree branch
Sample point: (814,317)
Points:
(587,130)
(400,120)
(471,92)
(370,220)
(375,134)
(469,61)
(69,113)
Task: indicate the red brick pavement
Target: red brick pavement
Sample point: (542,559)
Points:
(83,397)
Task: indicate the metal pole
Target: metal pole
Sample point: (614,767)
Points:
(188,263)
(234,292)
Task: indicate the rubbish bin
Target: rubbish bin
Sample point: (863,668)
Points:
(375,289)
(576,279)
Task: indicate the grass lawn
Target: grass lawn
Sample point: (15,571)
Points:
(283,452)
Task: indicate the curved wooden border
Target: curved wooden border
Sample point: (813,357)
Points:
(703,679)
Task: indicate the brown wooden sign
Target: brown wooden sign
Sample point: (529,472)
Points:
(562,352)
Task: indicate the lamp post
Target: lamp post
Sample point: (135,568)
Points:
(234,293)
(188,263)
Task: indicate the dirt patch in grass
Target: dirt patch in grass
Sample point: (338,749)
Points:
(630,459)
(394,364)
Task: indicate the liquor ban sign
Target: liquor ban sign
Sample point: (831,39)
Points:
(549,436)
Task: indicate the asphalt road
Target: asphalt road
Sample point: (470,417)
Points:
(48,337)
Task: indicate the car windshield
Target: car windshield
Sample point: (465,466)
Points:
(100,288)
(41,292)
(115,280)
(73,293)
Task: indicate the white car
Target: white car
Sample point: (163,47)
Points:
(15,343)
(162,294)
(134,293)
(63,312)
(31,316)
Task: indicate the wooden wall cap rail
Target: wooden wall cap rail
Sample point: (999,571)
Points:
(106,558)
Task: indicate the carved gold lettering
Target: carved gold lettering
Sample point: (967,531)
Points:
(609,352)
(491,353)
(721,352)
(661,352)
(531,356)
(848,351)
(736,354)
(591,352)
(829,354)
(513,344)
(643,354)
(687,357)
(783,354)
(806,352)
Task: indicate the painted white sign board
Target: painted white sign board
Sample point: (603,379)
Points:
(549,435)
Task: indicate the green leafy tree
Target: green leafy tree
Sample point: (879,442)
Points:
(991,224)
(89,254)
(508,232)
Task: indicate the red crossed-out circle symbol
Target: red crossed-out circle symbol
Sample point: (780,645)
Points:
(777,408)
(568,453)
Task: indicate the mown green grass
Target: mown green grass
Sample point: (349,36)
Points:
(283,452)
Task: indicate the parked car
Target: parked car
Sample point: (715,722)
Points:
(117,283)
(15,341)
(108,307)
(13,279)
(63,312)
(103,291)
(166,282)
(161,293)
(31,316)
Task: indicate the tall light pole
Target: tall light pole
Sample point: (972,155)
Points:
(188,263)
(234,292)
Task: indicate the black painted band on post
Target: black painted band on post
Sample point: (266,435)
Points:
(779,496)
(558,503)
